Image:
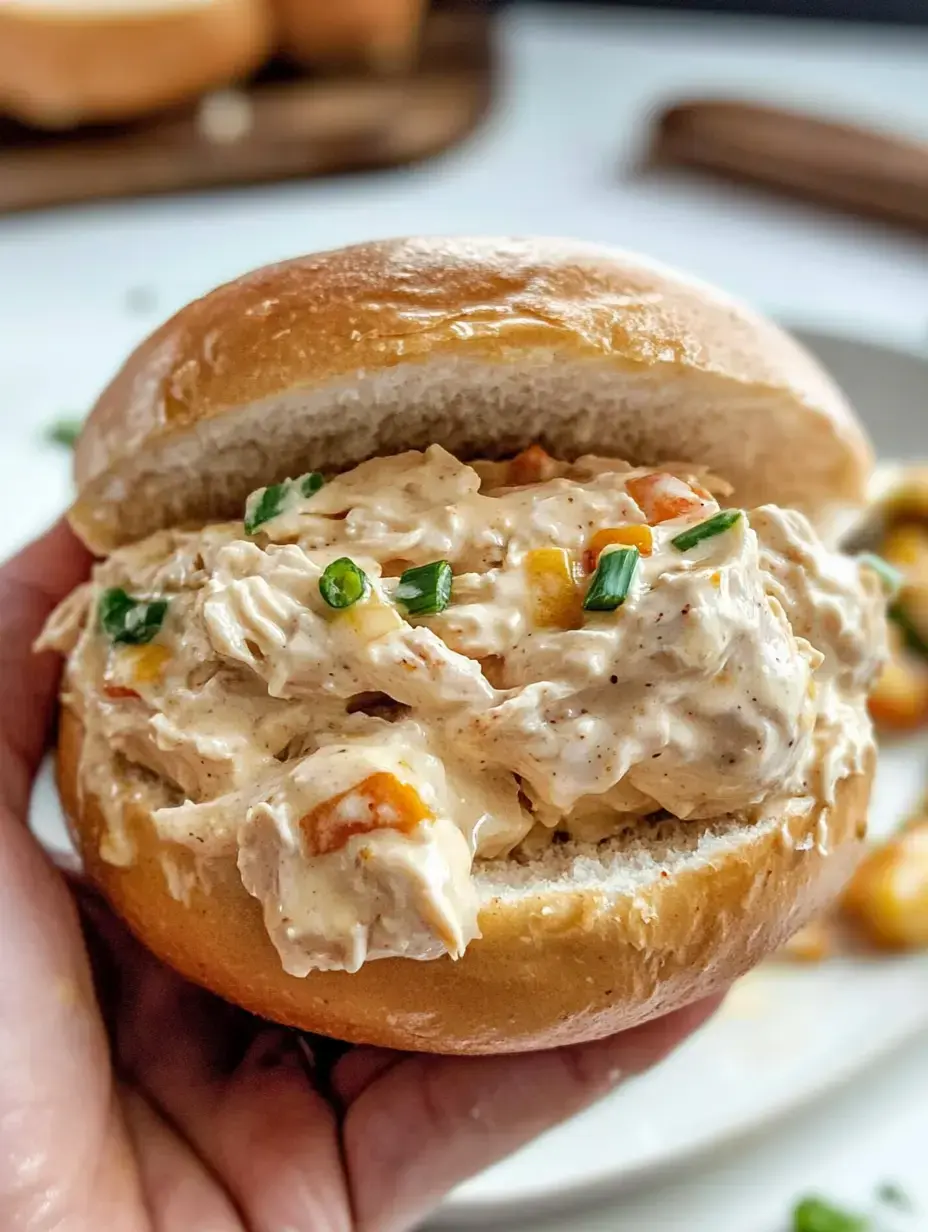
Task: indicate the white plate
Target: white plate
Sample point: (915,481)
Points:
(785,1035)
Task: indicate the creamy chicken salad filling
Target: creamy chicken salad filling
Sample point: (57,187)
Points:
(373,681)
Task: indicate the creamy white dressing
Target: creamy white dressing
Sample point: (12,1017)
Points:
(734,674)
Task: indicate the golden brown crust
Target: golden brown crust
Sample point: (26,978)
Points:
(381,33)
(450,308)
(61,66)
(575,972)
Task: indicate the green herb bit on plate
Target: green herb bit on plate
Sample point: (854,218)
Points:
(64,432)
(610,583)
(891,1193)
(713,526)
(129,620)
(425,590)
(342,583)
(816,1215)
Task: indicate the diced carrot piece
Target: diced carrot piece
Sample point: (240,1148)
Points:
(662,497)
(379,802)
(556,600)
(532,465)
(899,699)
(639,537)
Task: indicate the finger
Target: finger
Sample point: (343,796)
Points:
(252,1115)
(430,1122)
(54,1060)
(31,584)
(180,1193)
(265,1132)
(358,1069)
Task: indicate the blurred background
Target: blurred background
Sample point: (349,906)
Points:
(151,150)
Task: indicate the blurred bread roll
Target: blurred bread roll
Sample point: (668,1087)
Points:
(381,34)
(69,62)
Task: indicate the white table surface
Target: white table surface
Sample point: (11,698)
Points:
(557,156)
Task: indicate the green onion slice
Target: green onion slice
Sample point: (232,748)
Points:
(264,505)
(342,583)
(892,580)
(713,526)
(609,584)
(268,503)
(815,1215)
(914,638)
(426,590)
(134,621)
(310,484)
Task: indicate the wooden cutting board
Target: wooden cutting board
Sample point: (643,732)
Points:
(281,126)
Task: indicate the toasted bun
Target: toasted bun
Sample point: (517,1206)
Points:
(578,945)
(67,62)
(379,33)
(480,345)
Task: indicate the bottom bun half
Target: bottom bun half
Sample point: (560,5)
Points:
(586,942)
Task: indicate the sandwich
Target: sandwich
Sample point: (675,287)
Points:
(468,667)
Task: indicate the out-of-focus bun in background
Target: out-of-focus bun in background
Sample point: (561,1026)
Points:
(69,62)
(111,98)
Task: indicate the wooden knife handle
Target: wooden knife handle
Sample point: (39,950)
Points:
(855,169)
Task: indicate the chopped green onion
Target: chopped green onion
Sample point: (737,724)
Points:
(342,583)
(609,584)
(310,484)
(914,638)
(268,503)
(264,505)
(892,580)
(125,619)
(713,526)
(815,1215)
(425,590)
(64,432)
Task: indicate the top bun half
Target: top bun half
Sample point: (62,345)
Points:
(481,345)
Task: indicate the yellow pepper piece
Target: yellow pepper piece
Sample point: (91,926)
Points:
(143,664)
(371,618)
(906,546)
(888,894)
(638,536)
(899,699)
(556,601)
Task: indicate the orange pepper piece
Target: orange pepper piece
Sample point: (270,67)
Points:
(639,537)
(379,802)
(662,496)
(532,465)
(556,600)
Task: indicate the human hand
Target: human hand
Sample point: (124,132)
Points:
(133,1101)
